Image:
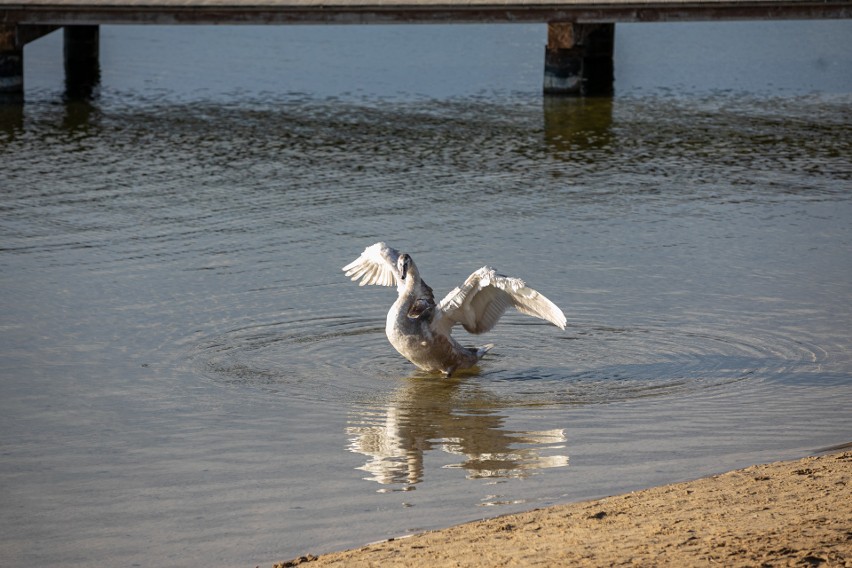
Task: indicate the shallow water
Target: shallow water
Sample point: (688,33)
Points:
(188,377)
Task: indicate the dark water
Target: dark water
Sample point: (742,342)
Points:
(187,376)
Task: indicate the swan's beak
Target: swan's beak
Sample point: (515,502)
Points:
(404,271)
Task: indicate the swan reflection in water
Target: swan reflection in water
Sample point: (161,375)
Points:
(456,417)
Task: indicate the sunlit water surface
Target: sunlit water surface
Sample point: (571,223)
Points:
(189,379)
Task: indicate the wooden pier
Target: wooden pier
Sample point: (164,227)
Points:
(578,54)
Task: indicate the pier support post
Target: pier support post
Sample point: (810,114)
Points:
(82,61)
(11,65)
(578,59)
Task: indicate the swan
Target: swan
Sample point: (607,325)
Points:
(420,330)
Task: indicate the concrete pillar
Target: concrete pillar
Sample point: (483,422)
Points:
(82,61)
(11,65)
(578,59)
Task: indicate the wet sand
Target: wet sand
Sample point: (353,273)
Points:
(796,513)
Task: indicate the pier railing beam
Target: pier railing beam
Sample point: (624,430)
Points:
(82,61)
(578,59)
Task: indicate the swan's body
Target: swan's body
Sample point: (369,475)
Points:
(420,329)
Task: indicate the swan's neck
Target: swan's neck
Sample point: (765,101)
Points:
(410,287)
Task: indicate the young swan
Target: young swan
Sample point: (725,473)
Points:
(420,329)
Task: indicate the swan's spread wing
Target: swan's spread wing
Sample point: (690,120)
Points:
(376,265)
(485,296)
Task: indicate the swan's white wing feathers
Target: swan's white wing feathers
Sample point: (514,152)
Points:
(530,302)
(376,265)
(481,301)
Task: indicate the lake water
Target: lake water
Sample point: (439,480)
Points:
(189,379)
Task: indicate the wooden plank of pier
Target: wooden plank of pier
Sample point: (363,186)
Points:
(94,12)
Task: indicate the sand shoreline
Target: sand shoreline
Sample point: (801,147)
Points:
(794,513)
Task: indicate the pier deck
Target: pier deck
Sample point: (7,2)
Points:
(94,12)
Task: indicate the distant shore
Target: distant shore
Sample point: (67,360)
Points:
(796,513)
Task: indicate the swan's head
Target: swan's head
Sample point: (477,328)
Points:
(405,265)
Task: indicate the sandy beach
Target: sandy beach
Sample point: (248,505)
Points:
(796,513)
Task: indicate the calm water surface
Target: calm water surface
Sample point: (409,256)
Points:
(186,376)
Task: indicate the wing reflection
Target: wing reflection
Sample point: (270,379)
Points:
(453,416)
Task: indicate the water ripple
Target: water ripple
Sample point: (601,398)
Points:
(347,359)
